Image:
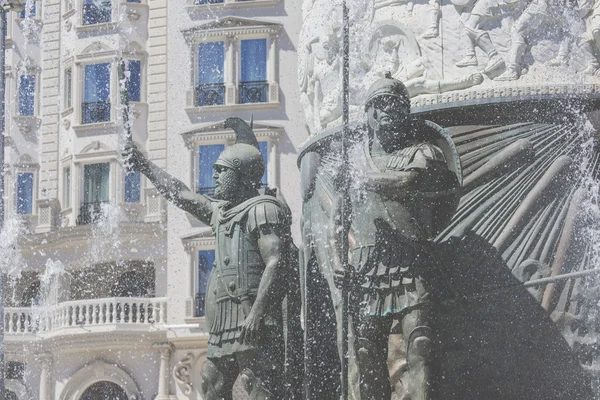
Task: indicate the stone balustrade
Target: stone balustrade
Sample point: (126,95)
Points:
(95,312)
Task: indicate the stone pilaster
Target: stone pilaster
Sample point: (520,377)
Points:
(165,349)
(45,360)
(157,82)
(49,95)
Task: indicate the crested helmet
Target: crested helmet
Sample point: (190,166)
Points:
(387,86)
(244,156)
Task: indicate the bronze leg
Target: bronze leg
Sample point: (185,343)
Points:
(419,339)
(371,349)
(218,378)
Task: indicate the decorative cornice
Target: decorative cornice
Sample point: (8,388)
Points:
(230,26)
(203,239)
(506,93)
(97,128)
(109,27)
(216,132)
(95,56)
(228,4)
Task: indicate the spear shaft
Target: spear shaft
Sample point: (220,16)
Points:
(344,200)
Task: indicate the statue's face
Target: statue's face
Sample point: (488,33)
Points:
(389,117)
(227,183)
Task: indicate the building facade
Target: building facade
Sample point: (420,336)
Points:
(104,287)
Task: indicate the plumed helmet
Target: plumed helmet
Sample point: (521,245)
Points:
(244,156)
(387,86)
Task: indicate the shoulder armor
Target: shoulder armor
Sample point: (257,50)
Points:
(266,213)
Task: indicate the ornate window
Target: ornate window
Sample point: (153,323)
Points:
(25,186)
(235,62)
(134,88)
(96,191)
(96,93)
(96,12)
(132,187)
(210,90)
(253,86)
(27,95)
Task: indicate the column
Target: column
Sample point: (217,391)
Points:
(165,349)
(272,68)
(45,361)
(230,70)
(273,172)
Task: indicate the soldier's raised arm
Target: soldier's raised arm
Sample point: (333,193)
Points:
(173,189)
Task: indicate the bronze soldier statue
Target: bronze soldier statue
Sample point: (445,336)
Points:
(403,191)
(246,286)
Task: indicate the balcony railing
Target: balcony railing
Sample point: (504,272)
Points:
(97,14)
(210,94)
(89,213)
(98,111)
(198,2)
(97,312)
(254,92)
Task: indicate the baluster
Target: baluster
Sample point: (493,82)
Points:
(114,312)
(96,313)
(156,312)
(85,314)
(127,312)
(10,322)
(162,312)
(105,312)
(143,309)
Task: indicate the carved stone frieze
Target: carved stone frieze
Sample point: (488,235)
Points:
(445,52)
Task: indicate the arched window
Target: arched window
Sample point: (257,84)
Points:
(104,391)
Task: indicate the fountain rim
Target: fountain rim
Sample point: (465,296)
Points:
(556,106)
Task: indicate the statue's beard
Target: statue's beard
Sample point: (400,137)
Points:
(228,186)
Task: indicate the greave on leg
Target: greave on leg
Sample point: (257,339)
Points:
(420,354)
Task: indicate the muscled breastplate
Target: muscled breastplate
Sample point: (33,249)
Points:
(239,265)
(374,213)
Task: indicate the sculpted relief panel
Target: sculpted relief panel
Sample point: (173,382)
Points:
(438,47)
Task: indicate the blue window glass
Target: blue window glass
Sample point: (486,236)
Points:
(206,258)
(134,1)
(211,61)
(96,11)
(96,94)
(253,84)
(132,187)
(29,7)
(254,60)
(264,150)
(25,193)
(26,94)
(207,155)
(135,80)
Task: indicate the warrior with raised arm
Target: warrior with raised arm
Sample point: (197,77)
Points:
(402,193)
(245,288)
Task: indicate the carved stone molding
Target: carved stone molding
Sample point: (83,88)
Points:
(183,373)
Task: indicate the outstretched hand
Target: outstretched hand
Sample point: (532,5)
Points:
(133,157)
